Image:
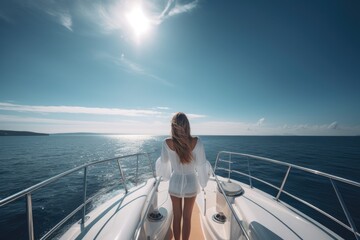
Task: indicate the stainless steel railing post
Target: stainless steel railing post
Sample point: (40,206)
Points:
(217,159)
(84,195)
(152,167)
(122,175)
(29,216)
(137,170)
(283,183)
(250,179)
(229,175)
(343,206)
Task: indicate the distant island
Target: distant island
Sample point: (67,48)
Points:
(4,133)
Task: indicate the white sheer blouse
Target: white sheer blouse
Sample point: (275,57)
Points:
(184,178)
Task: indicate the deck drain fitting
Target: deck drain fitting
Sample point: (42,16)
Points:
(155,216)
(219,217)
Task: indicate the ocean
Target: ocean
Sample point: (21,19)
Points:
(25,161)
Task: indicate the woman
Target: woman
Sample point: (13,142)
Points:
(183,160)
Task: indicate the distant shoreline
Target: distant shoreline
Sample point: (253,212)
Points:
(4,133)
(8,133)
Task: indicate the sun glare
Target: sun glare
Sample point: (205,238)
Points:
(138,21)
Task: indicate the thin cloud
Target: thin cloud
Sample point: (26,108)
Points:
(260,122)
(57,10)
(11,118)
(109,17)
(321,127)
(78,110)
(173,7)
(103,16)
(137,69)
(332,129)
(132,67)
(64,18)
(333,125)
(184,8)
(66,21)
(163,108)
(61,126)
(169,6)
(191,115)
(159,126)
(194,116)
(247,128)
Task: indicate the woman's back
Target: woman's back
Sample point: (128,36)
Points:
(184,168)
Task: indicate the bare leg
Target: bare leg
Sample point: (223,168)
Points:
(188,208)
(177,210)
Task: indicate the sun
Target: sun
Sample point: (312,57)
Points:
(138,21)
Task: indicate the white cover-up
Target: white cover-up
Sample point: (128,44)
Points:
(184,178)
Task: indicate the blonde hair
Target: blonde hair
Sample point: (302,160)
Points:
(180,131)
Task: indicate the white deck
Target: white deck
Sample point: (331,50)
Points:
(262,216)
(118,217)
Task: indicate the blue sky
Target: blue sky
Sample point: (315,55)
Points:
(235,67)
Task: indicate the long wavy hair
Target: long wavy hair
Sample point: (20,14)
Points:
(180,131)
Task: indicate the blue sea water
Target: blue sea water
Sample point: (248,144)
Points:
(25,161)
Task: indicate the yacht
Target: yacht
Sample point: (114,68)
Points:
(232,206)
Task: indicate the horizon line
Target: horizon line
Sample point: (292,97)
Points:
(218,135)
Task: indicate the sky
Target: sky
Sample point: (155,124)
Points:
(234,67)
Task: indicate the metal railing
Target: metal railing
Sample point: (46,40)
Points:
(332,178)
(27,193)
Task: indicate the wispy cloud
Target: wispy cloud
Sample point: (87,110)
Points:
(194,116)
(333,128)
(137,69)
(333,125)
(63,17)
(155,123)
(132,67)
(111,15)
(78,110)
(174,7)
(103,16)
(48,125)
(321,127)
(260,122)
(66,21)
(34,120)
(163,108)
(108,16)
(60,11)
(102,120)
(248,128)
